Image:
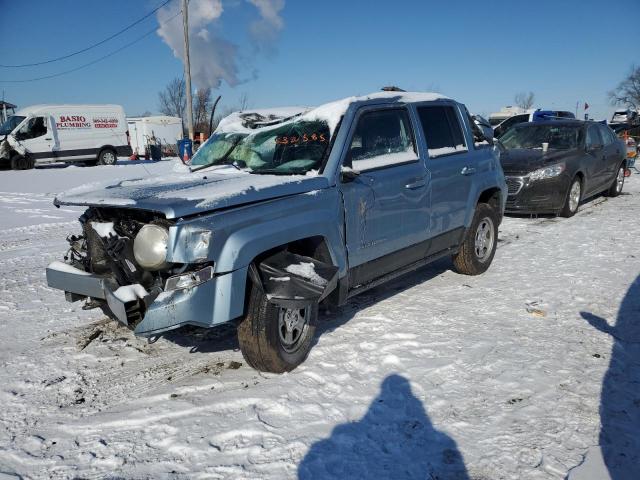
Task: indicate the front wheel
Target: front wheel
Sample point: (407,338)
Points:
(275,339)
(479,246)
(572,202)
(18,162)
(618,183)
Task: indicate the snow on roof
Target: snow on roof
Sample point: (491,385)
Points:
(329,112)
(55,106)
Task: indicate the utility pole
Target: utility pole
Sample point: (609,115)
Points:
(187,67)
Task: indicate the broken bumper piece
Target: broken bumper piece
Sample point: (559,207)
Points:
(211,302)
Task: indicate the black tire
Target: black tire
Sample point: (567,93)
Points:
(479,246)
(570,206)
(18,162)
(618,183)
(107,157)
(260,339)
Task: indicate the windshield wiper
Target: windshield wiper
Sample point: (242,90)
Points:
(222,159)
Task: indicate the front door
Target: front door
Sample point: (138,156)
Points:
(387,204)
(36,135)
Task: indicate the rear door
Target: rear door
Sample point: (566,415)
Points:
(451,166)
(596,160)
(612,151)
(387,204)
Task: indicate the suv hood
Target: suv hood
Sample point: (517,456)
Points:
(523,161)
(184,194)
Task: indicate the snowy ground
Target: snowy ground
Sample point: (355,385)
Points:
(435,376)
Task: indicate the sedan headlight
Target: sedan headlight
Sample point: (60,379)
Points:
(150,247)
(547,172)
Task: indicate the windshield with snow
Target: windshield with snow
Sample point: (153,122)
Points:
(11,123)
(564,137)
(292,148)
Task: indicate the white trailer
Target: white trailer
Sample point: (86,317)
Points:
(159,130)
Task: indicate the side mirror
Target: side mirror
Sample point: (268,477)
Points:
(348,175)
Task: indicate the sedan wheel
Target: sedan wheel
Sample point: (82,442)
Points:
(574,196)
(618,183)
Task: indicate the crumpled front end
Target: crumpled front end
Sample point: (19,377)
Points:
(101,269)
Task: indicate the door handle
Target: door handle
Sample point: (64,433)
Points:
(468,171)
(416,184)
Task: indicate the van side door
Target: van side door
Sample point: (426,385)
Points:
(387,203)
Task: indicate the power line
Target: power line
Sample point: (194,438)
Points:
(94,61)
(91,46)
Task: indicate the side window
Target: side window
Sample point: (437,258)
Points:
(34,128)
(382,138)
(593,137)
(442,130)
(605,132)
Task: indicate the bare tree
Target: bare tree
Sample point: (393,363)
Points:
(627,93)
(172,100)
(202,109)
(525,100)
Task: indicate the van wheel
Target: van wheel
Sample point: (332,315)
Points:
(275,339)
(479,245)
(18,162)
(107,157)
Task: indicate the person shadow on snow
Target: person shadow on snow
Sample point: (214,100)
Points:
(620,399)
(394,440)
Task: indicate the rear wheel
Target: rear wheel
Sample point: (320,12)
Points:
(479,245)
(572,202)
(273,338)
(107,157)
(618,183)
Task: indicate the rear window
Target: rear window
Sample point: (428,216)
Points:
(442,130)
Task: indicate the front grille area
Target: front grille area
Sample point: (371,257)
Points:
(514,184)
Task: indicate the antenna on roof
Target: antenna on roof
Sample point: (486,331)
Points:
(392,88)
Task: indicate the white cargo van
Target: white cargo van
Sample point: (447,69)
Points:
(93,134)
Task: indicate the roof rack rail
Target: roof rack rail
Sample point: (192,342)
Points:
(392,88)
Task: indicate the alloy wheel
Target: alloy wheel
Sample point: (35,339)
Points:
(484,239)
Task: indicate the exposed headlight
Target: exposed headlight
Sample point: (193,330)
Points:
(150,247)
(547,172)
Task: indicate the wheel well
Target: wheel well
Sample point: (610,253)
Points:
(314,247)
(491,197)
(107,147)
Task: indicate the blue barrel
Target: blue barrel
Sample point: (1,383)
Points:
(185,147)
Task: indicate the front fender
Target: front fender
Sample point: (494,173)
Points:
(233,238)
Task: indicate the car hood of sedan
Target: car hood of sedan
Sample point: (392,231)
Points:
(182,194)
(523,161)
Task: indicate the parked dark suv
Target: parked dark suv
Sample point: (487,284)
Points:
(551,166)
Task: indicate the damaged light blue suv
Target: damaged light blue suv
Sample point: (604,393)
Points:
(284,209)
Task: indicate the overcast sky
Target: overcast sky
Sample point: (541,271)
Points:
(301,52)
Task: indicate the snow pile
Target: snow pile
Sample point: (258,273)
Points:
(383,160)
(307,270)
(436,152)
(130,293)
(66,268)
(104,229)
